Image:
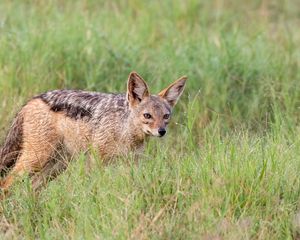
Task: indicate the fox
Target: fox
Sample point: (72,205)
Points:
(113,124)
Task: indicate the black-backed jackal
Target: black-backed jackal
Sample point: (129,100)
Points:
(74,120)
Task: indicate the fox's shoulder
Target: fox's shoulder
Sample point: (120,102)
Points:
(82,104)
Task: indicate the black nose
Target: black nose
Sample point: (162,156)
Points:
(162,131)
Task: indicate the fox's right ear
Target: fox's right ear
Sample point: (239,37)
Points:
(137,89)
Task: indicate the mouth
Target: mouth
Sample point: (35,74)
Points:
(151,134)
(148,132)
(154,134)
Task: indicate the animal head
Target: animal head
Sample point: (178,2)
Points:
(152,113)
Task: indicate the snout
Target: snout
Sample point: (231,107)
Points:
(156,132)
(161,132)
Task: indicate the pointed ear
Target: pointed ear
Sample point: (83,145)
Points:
(137,89)
(174,91)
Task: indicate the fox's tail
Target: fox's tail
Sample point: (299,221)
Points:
(10,150)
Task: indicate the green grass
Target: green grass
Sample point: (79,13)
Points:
(229,168)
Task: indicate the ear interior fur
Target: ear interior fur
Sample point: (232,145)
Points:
(174,91)
(137,89)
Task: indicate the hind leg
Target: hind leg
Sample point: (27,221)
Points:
(40,140)
(31,160)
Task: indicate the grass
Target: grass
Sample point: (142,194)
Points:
(229,168)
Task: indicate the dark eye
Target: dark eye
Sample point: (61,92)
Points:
(166,116)
(147,115)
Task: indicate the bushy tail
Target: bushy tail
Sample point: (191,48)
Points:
(10,150)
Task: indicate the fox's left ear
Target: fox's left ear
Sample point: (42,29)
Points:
(174,91)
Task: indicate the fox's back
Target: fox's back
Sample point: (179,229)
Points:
(84,105)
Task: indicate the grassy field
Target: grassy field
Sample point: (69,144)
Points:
(229,166)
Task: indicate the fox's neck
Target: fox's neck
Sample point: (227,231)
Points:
(132,133)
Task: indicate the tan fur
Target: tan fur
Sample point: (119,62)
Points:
(45,131)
